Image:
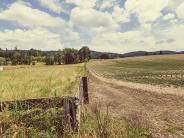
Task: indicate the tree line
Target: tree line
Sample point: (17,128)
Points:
(32,56)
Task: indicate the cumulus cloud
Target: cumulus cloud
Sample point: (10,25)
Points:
(138,40)
(169,16)
(152,25)
(146,10)
(174,33)
(53,5)
(180,10)
(91,18)
(124,41)
(106,4)
(38,38)
(27,16)
(83,3)
(120,15)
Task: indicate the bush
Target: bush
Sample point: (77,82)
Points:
(39,59)
(34,63)
(49,60)
(2,61)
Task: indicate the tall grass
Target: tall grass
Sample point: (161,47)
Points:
(95,123)
(39,81)
(35,123)
(24,82)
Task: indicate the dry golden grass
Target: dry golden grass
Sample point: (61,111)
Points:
(24,82)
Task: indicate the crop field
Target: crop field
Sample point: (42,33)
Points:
(26,82)
(164,70)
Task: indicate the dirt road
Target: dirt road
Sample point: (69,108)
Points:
(162,112)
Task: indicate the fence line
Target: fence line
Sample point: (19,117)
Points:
(72,105)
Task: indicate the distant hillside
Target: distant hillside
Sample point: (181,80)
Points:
(96,55)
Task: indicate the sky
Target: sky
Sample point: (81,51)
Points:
(103,25)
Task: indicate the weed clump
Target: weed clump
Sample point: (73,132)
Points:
(95,123)
(34,123)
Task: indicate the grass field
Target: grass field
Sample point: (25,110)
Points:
(25,82)
(164,70)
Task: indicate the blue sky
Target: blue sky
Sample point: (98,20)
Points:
(103,25)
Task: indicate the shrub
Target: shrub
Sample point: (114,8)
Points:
(2,61)
(34,63)
(49,60)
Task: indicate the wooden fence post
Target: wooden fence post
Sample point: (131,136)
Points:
(1,107)
(85,90)
(73,114)
(66,108)
(70,111)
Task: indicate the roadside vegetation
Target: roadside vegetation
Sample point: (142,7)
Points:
(165,70)
(97,122)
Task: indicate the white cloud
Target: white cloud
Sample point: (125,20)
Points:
(106,4)
(174,33)
(53,5)
(101,29)
(123,42)
(138,40)
(180,10)
(27,16)
(153,39)
(173,4)
(146,10)
(74,36)
(87,17)
(169,16)
(83,3)
(38,38)
(120,15)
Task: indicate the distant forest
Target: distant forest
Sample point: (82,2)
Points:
(32,56)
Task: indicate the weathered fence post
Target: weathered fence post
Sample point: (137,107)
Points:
(85,90)
(1,107)
(73,114)
(66,107)
(70,111)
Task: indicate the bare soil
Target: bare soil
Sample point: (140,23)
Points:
(160,109)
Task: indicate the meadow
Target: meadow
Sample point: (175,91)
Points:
(26,82)
(163,70)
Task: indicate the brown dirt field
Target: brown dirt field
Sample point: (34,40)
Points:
(162,112)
